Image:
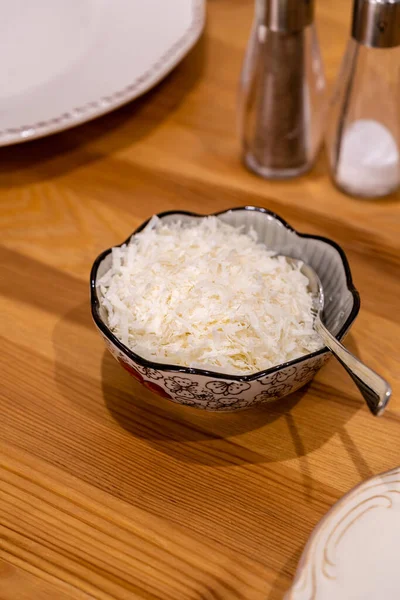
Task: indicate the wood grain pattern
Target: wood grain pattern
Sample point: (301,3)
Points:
(107,492)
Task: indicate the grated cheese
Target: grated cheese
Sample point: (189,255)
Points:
(205,294)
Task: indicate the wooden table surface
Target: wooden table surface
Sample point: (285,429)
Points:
(108,492)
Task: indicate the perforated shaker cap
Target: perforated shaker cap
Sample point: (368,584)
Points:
(287,16)
(376,23)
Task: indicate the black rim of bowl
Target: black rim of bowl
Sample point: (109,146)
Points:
(95,305)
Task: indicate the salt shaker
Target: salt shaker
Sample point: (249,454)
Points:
(364,134)
(282,90)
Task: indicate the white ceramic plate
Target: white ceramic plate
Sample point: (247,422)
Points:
(353,553)
(68,61)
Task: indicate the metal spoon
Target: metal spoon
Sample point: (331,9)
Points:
(374,389)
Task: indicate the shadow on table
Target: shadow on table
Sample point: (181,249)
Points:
(285,577)
(51,156)
(270,433)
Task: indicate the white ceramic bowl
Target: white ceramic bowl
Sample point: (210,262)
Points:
(219,392)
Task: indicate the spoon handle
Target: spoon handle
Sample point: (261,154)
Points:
(375,390)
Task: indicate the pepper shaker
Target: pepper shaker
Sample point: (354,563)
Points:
(363,139)
(282,90)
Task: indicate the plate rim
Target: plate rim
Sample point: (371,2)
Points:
(307,559)
(101,106)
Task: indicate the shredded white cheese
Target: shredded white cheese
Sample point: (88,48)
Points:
(205,294)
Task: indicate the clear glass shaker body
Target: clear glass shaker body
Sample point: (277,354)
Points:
(363,142)
(281,101)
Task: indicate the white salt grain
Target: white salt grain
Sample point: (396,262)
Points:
(369,162)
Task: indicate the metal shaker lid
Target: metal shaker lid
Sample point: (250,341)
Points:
(376,23)
(288,16)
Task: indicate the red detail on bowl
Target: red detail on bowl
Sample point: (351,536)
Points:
(131,370)
(153,387)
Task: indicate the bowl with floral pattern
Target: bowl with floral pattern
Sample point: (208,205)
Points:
(200,388)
